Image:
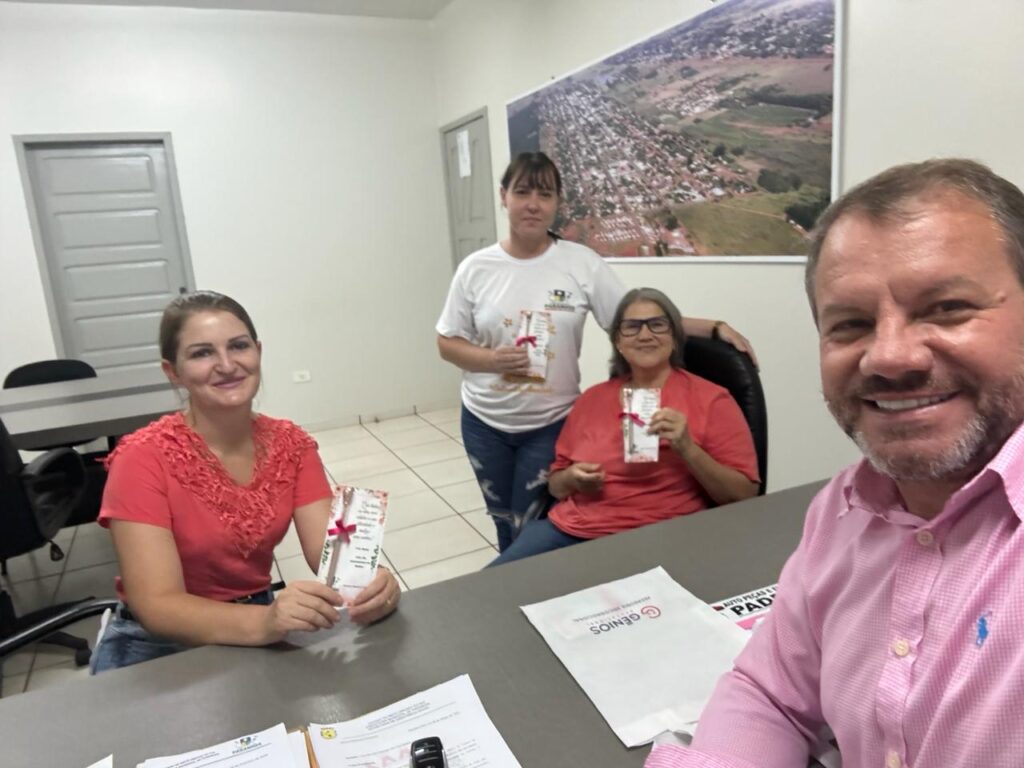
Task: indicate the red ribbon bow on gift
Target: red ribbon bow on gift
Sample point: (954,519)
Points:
(341,530)
(531,340)
(634,417)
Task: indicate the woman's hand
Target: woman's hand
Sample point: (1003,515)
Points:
(511,360)
(671,425)
(377,600)
(586,477)
(302,605)
(730,335)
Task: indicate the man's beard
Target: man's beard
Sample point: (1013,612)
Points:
(998,413)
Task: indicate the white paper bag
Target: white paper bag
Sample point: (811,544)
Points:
(647,652)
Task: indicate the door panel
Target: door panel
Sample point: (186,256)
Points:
(114,254)
(470,196)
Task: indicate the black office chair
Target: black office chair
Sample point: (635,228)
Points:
(36,501)
(50,372)
(721,363)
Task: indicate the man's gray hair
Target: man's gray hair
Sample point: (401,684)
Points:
(883,198)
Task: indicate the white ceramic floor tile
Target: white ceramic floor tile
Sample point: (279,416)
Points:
(399,483)
(339,434)
(431,453)
(470,562)
(463,497)
(430,542)
(295,569)
(374,464)
(451,428)
(410,437)
(34,565)
(444,414)
(91,549)
(18,664)
(48,655)
(446,472)
(368,445)
(97,581)
(65,536)
(414,509)
(12,686)
(58,674)
(29,596)
(484,523)
(88,530)
(391,426)
(290,544)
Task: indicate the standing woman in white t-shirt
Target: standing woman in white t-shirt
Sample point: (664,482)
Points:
(531,290)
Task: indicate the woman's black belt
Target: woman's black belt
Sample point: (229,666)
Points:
(263,597)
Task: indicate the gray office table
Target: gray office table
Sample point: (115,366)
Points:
(84,409)
(467,625)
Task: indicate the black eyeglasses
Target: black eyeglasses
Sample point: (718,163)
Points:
(659,324)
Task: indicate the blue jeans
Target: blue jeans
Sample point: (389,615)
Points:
(125,642)
(512,470)
(539,536)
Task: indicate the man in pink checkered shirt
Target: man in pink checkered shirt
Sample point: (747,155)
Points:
(899,621)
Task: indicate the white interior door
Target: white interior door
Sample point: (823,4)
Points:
(115,251)
(470,190)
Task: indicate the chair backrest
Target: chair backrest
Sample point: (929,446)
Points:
(38,500)
(48,372)
(723,364)
(19,532)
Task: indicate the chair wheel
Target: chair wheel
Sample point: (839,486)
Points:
(82,656)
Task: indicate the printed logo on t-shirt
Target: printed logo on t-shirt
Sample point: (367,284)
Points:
(559,299)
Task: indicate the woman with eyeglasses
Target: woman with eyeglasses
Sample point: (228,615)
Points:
(530,291)
(705,456)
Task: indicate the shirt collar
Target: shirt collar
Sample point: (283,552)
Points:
(869,490)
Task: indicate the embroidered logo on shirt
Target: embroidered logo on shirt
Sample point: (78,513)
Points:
(983,630)
(559,299)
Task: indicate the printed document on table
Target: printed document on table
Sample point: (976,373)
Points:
(647,652)
(266,749)
(451,711)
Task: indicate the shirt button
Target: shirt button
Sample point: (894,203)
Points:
(901,648)
(925,538)
(892,760)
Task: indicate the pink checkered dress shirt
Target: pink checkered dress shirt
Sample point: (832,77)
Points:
(904,636)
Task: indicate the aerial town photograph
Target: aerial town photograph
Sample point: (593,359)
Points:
(712,138)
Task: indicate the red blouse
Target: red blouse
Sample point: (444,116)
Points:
(164,474)
(642,493)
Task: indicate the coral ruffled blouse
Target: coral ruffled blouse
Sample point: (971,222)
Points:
(164,474)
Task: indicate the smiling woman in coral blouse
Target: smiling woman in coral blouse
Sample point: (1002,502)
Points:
(197,501)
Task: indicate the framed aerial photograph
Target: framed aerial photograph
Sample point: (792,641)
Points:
(713,138)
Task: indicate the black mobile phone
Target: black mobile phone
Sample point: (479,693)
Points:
(427,753)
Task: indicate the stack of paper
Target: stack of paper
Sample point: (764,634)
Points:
(647,652)
(269,748)
(451,711)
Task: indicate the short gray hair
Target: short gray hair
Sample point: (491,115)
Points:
(883,198)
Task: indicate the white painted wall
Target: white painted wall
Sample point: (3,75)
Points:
(922,80)
(309,162)
(310,170)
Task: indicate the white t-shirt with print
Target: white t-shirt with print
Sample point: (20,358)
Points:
(490,290)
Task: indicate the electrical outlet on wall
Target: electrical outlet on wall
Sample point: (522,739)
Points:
(301,377)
